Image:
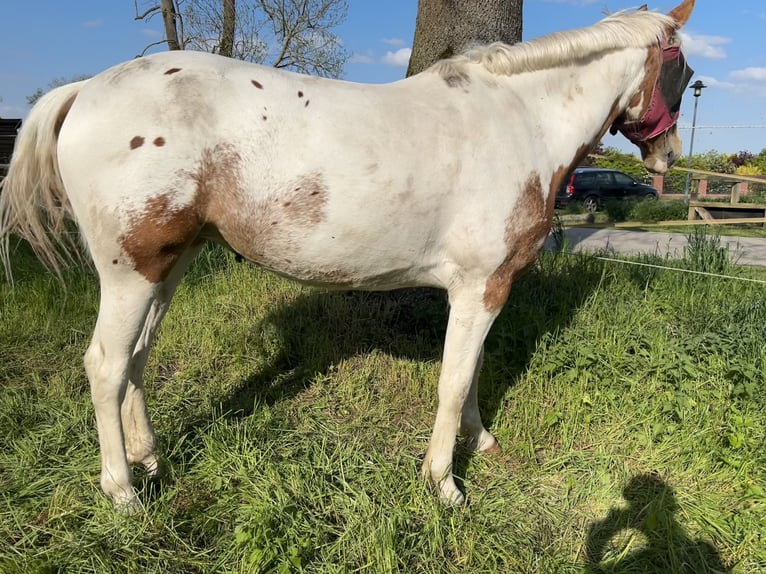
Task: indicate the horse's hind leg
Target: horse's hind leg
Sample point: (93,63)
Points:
(140,440)
(471,427)
(125,301)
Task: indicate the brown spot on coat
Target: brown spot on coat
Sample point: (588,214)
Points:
(257,84)
(306,104)
(525,228)
(172,71)
(159,142)
(136,142)
(300,94)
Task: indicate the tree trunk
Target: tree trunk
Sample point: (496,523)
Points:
(447,27)
(169,20)
(227,38)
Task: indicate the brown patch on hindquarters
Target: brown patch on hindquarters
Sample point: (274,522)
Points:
(266,231)
(527,225)
(159,142)
(172,71)
(257,84)
(137,142)
(159,235)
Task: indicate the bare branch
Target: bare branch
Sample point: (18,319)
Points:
(145,14)
(146,48)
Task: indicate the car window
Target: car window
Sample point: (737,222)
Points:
(604,178)
(623,179)
(586,179)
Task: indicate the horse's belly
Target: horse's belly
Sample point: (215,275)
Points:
(343,259)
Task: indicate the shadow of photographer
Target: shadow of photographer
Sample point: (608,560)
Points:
(668,549)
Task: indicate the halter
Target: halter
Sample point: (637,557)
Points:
(665,105)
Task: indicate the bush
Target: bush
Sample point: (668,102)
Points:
(653,211)
(620,209)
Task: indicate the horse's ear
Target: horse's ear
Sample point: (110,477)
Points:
(682,12)
(643,8)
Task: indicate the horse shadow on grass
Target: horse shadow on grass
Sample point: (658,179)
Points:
(651,508)
(322,328)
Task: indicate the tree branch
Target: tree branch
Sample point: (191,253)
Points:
(145,14)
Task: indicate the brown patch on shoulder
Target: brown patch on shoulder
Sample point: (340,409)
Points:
(257,84)
(172,71)
(159,142)
(63,112)
(137,142)
(525,228)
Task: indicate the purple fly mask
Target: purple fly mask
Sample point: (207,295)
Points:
(665,105)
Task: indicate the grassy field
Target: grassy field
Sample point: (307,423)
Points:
(629,403)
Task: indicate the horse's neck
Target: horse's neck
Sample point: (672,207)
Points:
(577,104)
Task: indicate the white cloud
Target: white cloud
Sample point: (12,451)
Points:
(711,82)
(394,42)
(360,59)
(400,58)
(750,74)
(704,46)
(93,23)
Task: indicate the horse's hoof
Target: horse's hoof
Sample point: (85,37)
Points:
(128,506)
(451,496)
(152,466)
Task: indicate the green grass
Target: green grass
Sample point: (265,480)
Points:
(629,403)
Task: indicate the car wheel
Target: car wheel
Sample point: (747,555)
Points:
(650,196)
(590,204)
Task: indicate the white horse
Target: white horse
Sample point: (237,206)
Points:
(444,179)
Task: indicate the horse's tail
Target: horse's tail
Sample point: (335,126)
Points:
(33,202)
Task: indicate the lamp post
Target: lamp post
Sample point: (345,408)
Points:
(697,87)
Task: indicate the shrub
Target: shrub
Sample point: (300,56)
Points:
(619,209)
(651,211)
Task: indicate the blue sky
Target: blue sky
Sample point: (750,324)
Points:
(724,42)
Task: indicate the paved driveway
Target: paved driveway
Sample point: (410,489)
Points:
(744,250)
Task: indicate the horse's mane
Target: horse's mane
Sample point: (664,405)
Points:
(624,29)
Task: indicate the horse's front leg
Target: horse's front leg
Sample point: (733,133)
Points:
(469,323)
